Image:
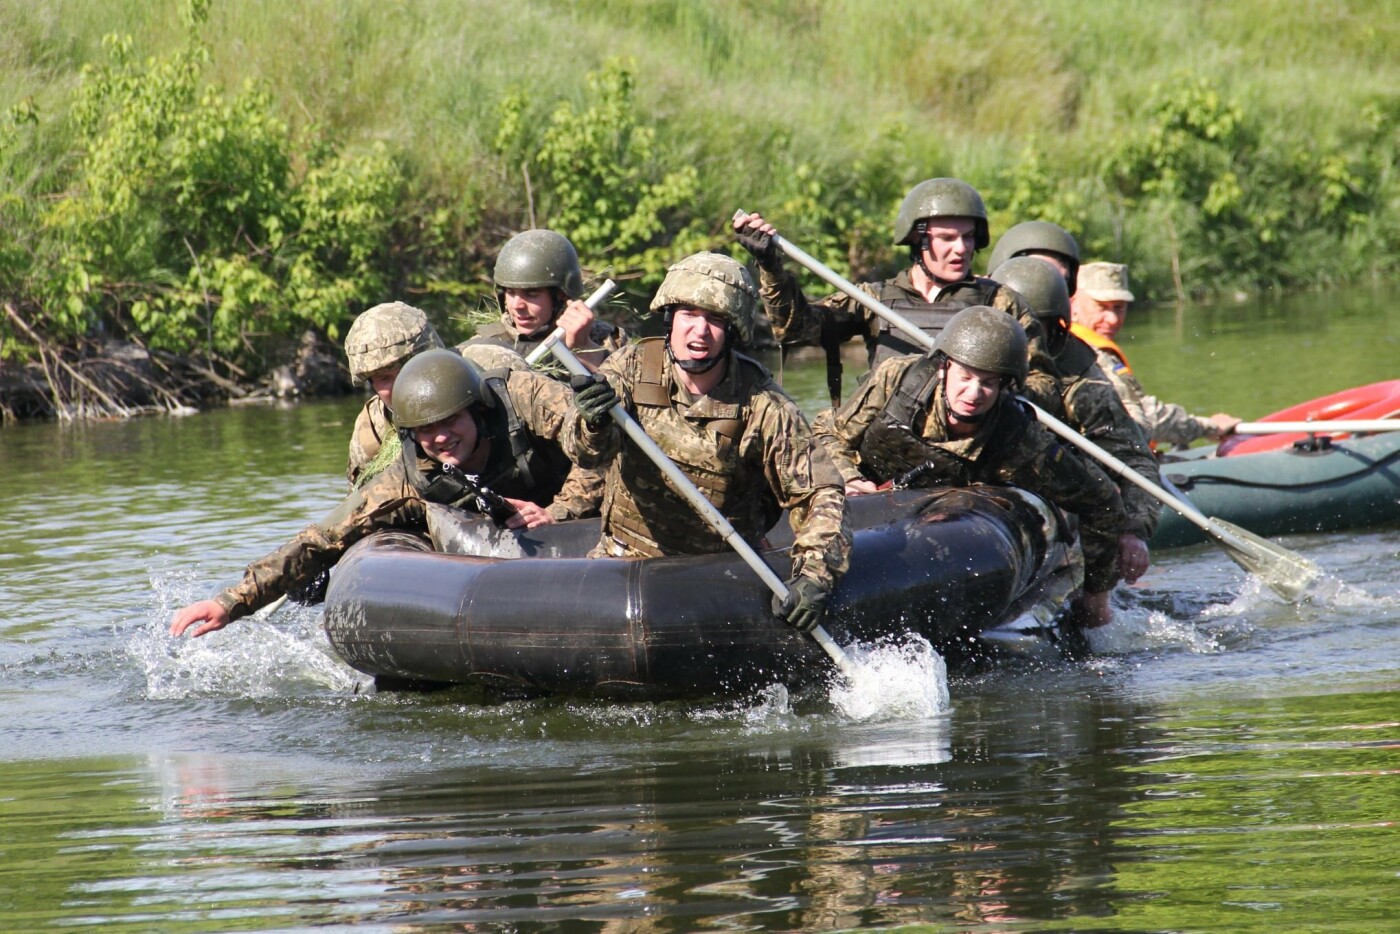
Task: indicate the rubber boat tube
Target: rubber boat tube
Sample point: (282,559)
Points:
(525,610)
(1327,486)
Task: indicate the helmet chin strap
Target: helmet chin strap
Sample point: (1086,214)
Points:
(704,364)
(947,406)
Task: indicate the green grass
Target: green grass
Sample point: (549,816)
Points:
(753,93)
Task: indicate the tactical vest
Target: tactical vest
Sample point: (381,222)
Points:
(517,468)
(929,317)
(706,452)
(893,448)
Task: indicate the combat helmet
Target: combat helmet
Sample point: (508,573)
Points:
(1039,237)
(1039,283)
(387,336)
(716,283)
(538,259)
(985,339)
(436,384)
(940,197)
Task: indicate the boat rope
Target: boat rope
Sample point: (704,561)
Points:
(1187,482)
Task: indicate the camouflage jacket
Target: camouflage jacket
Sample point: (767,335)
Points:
(504,333)
(1162,422)
(746,445)
(1008,449)
(839,318)
(1093,409)
(395,497)
(372,426)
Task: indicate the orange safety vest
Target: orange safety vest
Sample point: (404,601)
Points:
(1097,340)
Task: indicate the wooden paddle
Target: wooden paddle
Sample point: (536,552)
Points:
(557,335)
(1286,573)
(707,510)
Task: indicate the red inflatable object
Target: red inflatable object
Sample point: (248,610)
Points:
(1377,400)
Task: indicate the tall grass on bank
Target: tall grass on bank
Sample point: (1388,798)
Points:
(1215,147)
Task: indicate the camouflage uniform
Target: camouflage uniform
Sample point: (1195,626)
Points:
(1093,409)
(746,446)
(1162,422)
(870,438)
(394,498)
(373,427)
(839,318)
(504,333)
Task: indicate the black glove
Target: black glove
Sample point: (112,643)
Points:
(805,604)
(594,397)
(761,245)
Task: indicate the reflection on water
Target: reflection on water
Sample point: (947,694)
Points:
(1226,762)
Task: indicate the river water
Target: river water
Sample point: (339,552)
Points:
(1226,762)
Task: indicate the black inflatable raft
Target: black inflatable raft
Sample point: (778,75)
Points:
(527,610)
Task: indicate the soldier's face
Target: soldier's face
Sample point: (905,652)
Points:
(382,383)
(1103,318)
(451,440)
(696,334)
(952,241)
(971,392)
(530,309)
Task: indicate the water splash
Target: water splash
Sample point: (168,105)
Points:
(893,681)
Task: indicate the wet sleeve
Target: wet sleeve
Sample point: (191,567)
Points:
(799,470)
(385,502)
(1094,410)
(841,431)
(1077,486)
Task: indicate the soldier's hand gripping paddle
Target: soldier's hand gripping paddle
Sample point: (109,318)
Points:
(707,511)
(1286,573)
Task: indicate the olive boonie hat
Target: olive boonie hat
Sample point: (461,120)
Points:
(1105,282)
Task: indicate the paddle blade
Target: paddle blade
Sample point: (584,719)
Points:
(1286,573)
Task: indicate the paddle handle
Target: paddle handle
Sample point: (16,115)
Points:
(1318,428)
(840,282)
(706,509)
(557,335)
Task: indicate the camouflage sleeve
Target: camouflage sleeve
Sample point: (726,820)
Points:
(542,403)
(581,496)
(1094,410)
(372,426)
(797,321)
(492,356)
(841,431)
(806,483)
(595,449)
(386,502)
(1168,423)
(1050,470)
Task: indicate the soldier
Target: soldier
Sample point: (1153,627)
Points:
(949,417)
(378,344)
(485,443)
(943,223)
(1091,406)
(1043,240)
(727,425)
(539,286)
(1098,310)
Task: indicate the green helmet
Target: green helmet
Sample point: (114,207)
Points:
(1039,283)
(1038,237)
(436,384)
(387,336)
(539,259)
(985,339)
(714,282)
(940,197)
